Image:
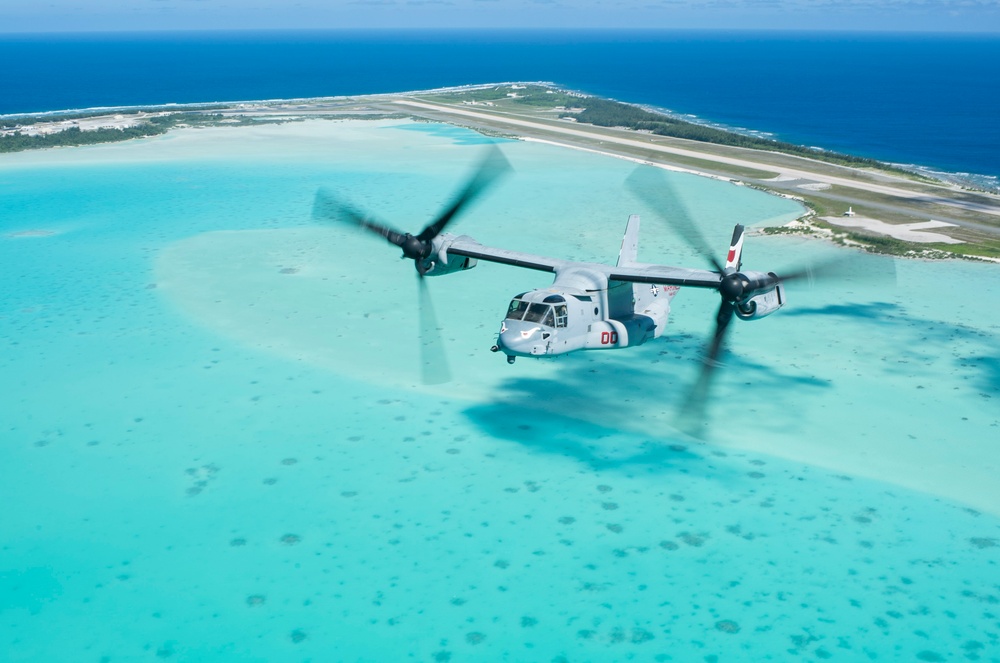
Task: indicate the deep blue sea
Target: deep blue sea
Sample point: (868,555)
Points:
(930,100)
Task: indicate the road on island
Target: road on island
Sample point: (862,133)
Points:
(785,173)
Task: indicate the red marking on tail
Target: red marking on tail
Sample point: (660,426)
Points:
(732,254)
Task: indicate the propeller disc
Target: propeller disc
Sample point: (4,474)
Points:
(735,287)
(328,207)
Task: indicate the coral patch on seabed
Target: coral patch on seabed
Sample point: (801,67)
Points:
(727,626)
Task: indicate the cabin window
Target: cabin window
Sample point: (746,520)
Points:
(562,315)
(516,309)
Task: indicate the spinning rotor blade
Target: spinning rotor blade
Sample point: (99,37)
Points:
(420,248)
(857,266)
(433,363)
(735,287)
(327,207)
(692,417)
(722,319)
(651,187)
(493,166)
(655,190)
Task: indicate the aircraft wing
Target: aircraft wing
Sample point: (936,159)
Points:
(666,275)
(634,273)
(466,246)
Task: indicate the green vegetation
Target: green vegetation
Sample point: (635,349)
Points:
(152,126)
(148,126)
(60,116)
(879,243)
(986,248)
(524,95)
(74,136)
(608,113)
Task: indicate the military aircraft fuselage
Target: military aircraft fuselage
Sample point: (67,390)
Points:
(583,310)
(589,306)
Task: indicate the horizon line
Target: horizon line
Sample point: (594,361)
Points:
(510,29)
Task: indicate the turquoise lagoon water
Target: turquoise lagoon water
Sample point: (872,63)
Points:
(215,445)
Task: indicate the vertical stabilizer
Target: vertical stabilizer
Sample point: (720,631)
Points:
(735,257)
(630,243)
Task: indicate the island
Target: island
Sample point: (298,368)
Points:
(849,200)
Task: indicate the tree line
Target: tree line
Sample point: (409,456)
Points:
(74,136)
(608,113)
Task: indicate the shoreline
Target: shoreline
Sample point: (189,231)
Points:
(827,189)
(970,180)
(259,102)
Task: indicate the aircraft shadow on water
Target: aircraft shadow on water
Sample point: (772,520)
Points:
(589,306)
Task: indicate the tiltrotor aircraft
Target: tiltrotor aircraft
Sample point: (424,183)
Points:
(589,306)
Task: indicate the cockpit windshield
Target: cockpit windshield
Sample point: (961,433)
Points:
(542,314)
(516,309)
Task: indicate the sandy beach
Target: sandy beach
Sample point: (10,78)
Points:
(909,232)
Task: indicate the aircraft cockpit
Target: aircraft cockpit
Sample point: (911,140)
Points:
(550,312)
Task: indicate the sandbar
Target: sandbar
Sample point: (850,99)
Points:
(909,232)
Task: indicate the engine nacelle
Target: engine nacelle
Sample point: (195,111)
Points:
(762,303)
(437,266)
(440,262)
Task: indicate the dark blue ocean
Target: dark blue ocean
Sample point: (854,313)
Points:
(931,100)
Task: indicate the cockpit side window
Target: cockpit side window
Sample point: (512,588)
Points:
(516,309)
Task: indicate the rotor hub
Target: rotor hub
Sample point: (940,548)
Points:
(413,248)
(732,287)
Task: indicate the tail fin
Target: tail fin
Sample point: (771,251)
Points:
(735,258)
(630,243)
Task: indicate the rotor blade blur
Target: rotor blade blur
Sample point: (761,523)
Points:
(651,187)
(433,363)
(493,166)
(722,320)
(692,419)
(327,207)
(852,267)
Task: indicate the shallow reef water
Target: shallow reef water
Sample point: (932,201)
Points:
(216,447)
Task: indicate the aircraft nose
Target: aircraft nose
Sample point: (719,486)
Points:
(520,340)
